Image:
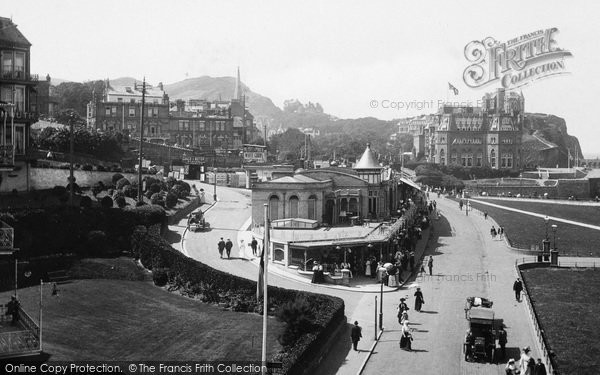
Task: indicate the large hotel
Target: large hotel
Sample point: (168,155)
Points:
(486,136)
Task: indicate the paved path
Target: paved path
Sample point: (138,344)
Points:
(467,262)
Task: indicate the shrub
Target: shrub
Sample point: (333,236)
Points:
(97,188)
(87,167)
(118,194)
(299,319)
(101,168)
(120,201)
(152,170)
(155,188)
(122,182)
(106,202)
(85,202)
(171,200)
(76,188)
(160,277)
(157,199)
(58,191)
(171,182)
(116,177)
(130,191)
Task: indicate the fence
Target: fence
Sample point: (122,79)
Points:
(539,332)
(23,340)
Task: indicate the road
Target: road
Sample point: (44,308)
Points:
(467,262)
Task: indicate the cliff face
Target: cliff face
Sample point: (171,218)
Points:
(546,142)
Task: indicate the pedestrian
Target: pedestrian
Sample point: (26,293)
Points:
(355,334)
(373,267)
(228,246)
(402,307)
(485,214)
(501,232)
(221,246)
(368,268)
(526,363)
(411,261)
(493,232)
(469,342)
(511,368)
(430,265)
(54,289)
(253,245)
(12,309)
(406,338)
(502,342)
(518,287)
(540,368)
(419,301)
(404,317)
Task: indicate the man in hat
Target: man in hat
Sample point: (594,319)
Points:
(221,246)
(228,246)
(502,342)
(540,368)
(253,245)
(518,287)
(355,335)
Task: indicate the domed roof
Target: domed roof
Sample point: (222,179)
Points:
(367,160)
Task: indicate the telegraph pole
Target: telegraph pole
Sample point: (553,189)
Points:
(140,195)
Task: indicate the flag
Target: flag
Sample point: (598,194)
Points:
(454,89)
(261,276)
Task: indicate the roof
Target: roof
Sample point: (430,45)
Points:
(296,179)
(367,160)
(481,313)
(410,183)
(11,34)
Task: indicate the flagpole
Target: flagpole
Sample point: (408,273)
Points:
(265,284)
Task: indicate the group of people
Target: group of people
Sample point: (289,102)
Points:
(497,232)
(406,337)
(225,246)
(526,365)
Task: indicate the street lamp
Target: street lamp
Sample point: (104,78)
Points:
(546,219)
(554,228)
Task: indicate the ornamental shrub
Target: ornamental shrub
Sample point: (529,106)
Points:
(120,201)
(157,199)
(106,202)
(156,187)
(97,188)
(160,277)
(130,191)
(116,177)
(87,167)
(122,183)
(85,202)
(171,199)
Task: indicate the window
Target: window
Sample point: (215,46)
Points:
(152,112)
(20,99)
(107,112)
(442,157)
(113,110)
(479,160)
(201,125)
(493,158)
(184,124)
(273,208)
(7,64)
(20,65)
(312,207)
(463,159)
(293,206)
(453,158)
(509,160)
(119,100)
(132,101)
(131,111)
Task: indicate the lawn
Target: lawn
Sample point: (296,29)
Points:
(567,302)
(134,320)
(524,230)
(589,214)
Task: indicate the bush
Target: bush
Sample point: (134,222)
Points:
(76,188)
(87,167)
(120,201)
(106,202)
(58,191)
(130,191)
(97,243)
(101,168)
(157,199)
(118,194)
(299,319)
(116,177)
(171,182)
(171,200)
(160,277)
(122,183)
(97,188)
(85,202)
(155,188)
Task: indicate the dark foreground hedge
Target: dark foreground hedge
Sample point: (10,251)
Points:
(198,280)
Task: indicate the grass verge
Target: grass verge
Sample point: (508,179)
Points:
(567,302)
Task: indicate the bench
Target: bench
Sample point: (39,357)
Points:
(58,277)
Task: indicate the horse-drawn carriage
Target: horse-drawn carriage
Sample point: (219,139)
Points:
(196,221)
(480,342)
(476,302)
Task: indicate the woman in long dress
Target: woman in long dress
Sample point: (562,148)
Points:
(368,268)
(419,301)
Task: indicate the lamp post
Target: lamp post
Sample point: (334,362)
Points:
(381,305)
(546,219)
(554,228)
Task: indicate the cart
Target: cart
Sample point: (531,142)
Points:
(481,344)
(196,221)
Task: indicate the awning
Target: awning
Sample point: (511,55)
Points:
(410,183)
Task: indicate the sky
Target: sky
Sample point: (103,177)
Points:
(385,59)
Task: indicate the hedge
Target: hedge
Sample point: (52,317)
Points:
(196,279)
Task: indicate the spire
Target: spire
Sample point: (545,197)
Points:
(237,92)
(367,160)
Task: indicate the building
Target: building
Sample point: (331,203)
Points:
(119,108)
(486,136)
(17,88)
(212,125)
(44,101)
(329,195)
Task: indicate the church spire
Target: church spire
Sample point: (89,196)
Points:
(237,92)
